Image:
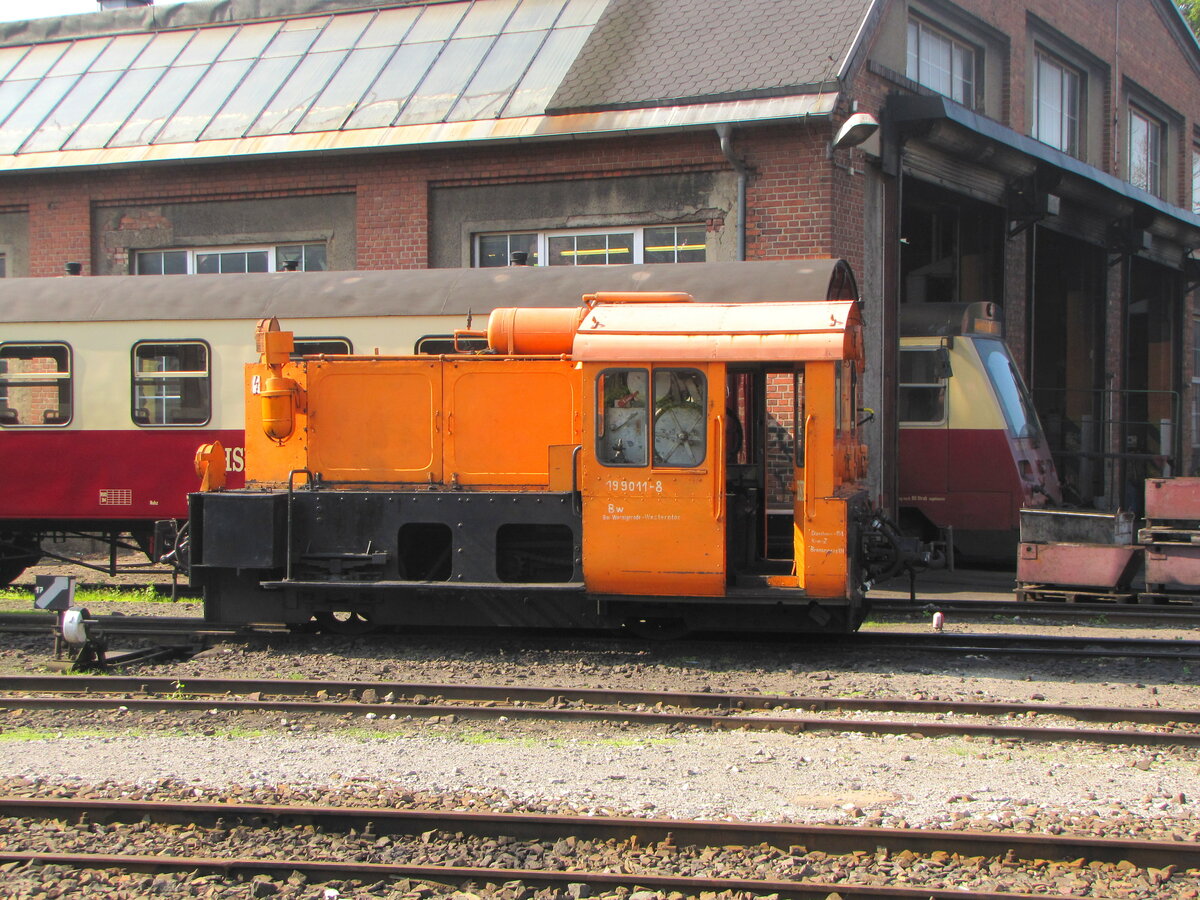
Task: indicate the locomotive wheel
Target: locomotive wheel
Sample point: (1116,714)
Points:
(344,622)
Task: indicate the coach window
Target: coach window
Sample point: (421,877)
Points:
(35,385)
(319,346)
(680,433)
(171,383)
(621,417)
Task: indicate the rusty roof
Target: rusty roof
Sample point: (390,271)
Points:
(648,52)
(211,80)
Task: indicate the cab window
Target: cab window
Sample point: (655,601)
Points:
(923,375)
(622,413)
(171,383)
(680,432)
(35,385)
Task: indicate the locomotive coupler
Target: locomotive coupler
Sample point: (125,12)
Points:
(886,552)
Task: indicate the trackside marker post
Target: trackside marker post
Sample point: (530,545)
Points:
(55,592)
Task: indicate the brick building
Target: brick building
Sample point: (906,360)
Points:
(1035,154)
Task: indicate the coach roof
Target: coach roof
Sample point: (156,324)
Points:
(423,292)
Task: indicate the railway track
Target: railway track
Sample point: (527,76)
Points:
(1038,721)
(243,841)
(187,629)
(1115,613)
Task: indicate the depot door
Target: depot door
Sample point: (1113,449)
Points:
(652,480)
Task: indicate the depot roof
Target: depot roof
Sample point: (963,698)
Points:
(273,77)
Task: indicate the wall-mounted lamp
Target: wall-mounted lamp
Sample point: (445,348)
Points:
(855,130)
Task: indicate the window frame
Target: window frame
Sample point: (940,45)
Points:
(275,257)
(205,377)
(1072,126)
(40,379)
(536,242)
(654,409)
(940,386)
(1156,156)
(660,410)
(605,456)
(972,90)
(300,343)
(1196,178)
(1195,386)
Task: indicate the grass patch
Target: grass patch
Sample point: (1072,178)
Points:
(86,595)
(24,733)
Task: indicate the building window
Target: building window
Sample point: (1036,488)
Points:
(1057,102)
(3,265)
(941,63)
(1146,146)
(1196,390)
(498,249)
(1195,184)
(35,385)
(213,261)
(658,244)
(603,249)
(301,258)
(674,244)
(171,383)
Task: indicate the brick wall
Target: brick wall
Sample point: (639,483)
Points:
(789,192)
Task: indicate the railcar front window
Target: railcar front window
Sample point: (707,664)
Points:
(621,417)
(1010,389)
(171,383)
(680,432)
(35,385)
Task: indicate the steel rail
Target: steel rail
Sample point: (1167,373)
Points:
(948,642)
(714,721)
(182,688)
(1174,614)
(838,840)
(1028,645)
(835,839)
(373,872)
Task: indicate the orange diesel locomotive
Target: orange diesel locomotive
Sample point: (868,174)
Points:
(606,465)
